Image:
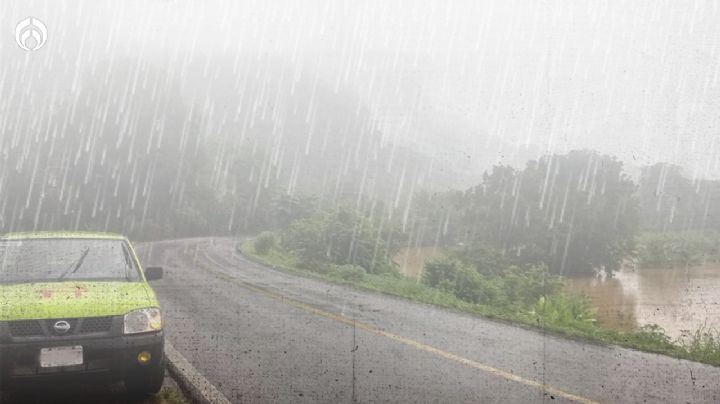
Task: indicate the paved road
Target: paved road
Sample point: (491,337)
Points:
(260,335)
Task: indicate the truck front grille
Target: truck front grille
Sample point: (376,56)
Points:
(25,328)
(78,326)
(95,324)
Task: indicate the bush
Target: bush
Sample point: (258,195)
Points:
(264,243)
(468,286)
(651,336)
(485,259)
(442,272)
(562,309)
(673,250)
(341,236)
(506,286)
(526,286)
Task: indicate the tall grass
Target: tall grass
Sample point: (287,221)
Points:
(703,345)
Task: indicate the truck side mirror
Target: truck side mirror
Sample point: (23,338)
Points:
(153,273)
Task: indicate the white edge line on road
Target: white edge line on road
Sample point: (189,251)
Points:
(189,377)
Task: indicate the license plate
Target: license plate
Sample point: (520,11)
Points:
(61,356)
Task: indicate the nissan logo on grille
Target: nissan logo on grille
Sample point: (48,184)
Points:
(61,327)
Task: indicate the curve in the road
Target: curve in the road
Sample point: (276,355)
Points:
(261,335)
(407,341)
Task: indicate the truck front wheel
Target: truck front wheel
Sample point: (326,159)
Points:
(145,381)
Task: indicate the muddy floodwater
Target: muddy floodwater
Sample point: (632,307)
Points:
(676,299)
(411,261)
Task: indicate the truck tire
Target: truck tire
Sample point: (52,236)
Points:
(145,382)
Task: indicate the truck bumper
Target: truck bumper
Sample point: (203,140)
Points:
(105,359)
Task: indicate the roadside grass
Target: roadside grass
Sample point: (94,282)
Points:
(702,346)
(168,395)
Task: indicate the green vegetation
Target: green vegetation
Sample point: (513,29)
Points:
(573,213)
(677,249)
(511,287)
(565,310)
(703,345)
(167,395)
(673,202)
(342,236)
(265,242)
(557,312)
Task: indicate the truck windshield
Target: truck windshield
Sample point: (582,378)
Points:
(55,260)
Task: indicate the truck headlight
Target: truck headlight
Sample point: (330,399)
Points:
(142,320)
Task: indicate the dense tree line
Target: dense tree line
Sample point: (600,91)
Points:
(574,213)
(677,249)
(672,201)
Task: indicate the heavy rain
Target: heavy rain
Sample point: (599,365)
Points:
(359,201)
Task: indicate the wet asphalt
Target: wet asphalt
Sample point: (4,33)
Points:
(261,335)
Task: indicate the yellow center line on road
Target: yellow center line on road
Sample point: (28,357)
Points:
(404,340)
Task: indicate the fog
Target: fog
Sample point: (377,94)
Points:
(146,111)
(470,84)
(553,164)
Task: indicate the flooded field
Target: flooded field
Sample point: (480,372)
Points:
(676,299)
(412,260)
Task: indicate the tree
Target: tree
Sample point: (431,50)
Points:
(670,201)
(341,236)
(264,243)
(485,259)
(574,213)
(442,272)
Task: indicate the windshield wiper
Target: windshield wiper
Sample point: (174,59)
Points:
(75,265)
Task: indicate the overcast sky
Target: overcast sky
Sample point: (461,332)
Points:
(472,82)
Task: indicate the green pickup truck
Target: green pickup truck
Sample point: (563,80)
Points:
(78,307)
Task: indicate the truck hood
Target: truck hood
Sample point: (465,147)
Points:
(31,301)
